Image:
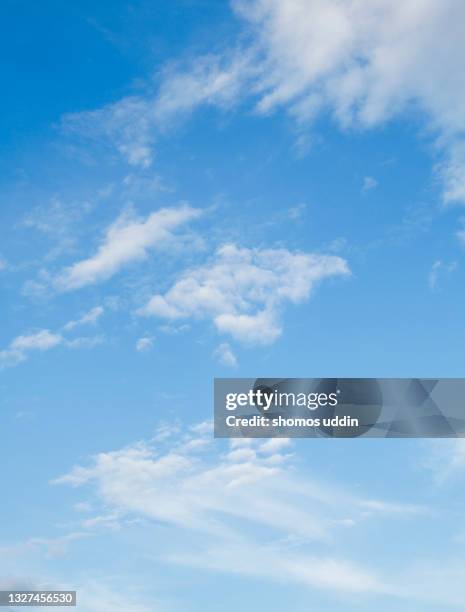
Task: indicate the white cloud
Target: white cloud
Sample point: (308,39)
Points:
(243,290)
(235,510)
(273,445)
(224,354)
(126,240)
(41,341)
(89,318)
(57,217)
(174,330)
(60,221)
(126,124)
(461,232)
(369,183)
(364,62)
(447,459)
(452,171)
(85,342)
(211,80)
(438,269)
(144,344)
(83,507)
(297,212)
(21,346)
(272,563)
(100,595)
(148,480)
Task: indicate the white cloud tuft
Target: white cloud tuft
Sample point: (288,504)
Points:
(243,290)
(224,354)
(19,348)
(213,80)
(438,269)
(144,344)
(369,183)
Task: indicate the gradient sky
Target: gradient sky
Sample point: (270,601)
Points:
(193,189)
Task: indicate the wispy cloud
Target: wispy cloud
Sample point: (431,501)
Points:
(224,495)
(461,231)
(364,63)
(19,348)
(109,595)
(369,183)
(438,269)
(446,459)
(224,354)
(60,221)
(209,80)
(127,239)
(133,124)
(297,212)
(127,125)
(85,342)
(273,563)
(89,318)
(144,344)
(22,346)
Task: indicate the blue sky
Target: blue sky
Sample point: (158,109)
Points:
(196,189)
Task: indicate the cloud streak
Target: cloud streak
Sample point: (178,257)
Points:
(21,347)
(126,240)
(89,318)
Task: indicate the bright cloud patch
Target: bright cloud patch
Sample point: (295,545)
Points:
(126,124)
(236,508)
(364,61)
(438,270)
(128,239)
(21,346)
(225,356)
(243,290)
(144,344)
(132,124)
(367,61)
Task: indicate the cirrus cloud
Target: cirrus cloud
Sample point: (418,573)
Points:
(364,62)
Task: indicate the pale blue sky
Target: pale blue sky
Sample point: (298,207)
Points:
(196,189)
